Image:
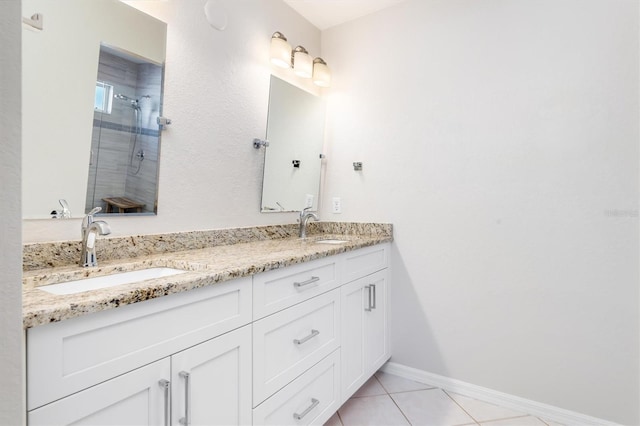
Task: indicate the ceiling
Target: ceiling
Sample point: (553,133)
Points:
(328,13)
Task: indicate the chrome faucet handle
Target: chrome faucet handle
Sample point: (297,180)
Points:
(304,211)
(88,218)
(94,211)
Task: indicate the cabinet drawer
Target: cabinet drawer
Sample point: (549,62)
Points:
(69,356)
(365,261)
(312,398)
(278,289)
(289,342)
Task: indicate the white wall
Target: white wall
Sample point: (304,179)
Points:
(11,356)
(501,140)
(216,93)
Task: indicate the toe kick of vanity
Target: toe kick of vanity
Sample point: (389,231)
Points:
(287,346)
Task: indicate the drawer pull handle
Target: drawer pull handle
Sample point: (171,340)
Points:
(370,305)
(166,386)
(307,282)
(186,420)
(314,404)
(313,334)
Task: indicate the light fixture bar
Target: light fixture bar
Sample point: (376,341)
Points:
(282,55)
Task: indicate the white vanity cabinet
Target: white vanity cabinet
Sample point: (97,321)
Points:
(181,389)
(358,347)
(287,346)
(123,365)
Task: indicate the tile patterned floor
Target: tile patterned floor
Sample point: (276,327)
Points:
(388,400)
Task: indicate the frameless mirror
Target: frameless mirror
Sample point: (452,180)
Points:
(92,91)
(295,131)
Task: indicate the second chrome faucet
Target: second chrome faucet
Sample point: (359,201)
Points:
(305,215)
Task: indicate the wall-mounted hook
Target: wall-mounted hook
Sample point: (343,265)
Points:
(296,164)
(357,166)
(257,143)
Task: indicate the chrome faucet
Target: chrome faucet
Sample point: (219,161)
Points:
(90,231)
(304,218)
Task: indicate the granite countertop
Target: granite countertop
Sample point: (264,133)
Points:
(205,266)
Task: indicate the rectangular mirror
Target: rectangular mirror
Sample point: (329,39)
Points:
(295,131)
(81,141)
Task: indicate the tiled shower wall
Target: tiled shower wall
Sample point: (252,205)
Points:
(111,172)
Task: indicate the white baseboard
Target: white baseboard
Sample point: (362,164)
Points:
(545,411)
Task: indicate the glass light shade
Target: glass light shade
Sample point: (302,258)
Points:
(280,51)
(321,73)
(302,63)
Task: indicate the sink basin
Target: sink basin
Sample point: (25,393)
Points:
(87,284)
(331,241)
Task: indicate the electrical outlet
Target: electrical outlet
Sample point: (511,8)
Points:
(308,201)
(337,205)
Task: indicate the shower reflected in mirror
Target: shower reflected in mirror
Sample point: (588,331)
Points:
(123,168)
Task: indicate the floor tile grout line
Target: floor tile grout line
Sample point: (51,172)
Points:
(414,390)
(380,383)
(367,396)
(543,421)
(393,400)
(461,407)
(400,409)
(495,419)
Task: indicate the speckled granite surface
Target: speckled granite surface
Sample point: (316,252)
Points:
(210,257)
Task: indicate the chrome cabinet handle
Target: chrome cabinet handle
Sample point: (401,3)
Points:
(313,334)
(369,305)
(166,386)
(374,296)
(186,420)
(307,282)
(314,404)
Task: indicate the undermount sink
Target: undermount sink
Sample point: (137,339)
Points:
(331,241)
(87,284)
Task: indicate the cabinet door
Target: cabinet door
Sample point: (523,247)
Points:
(376,332)
(352,344)
(211,382)
(135,398)
(365,336)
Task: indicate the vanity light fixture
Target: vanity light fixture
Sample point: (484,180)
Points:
(302,62)
(321,73)
(280,50)
(283,56)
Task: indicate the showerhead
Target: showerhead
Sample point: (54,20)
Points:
(134,102)
(123,97)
